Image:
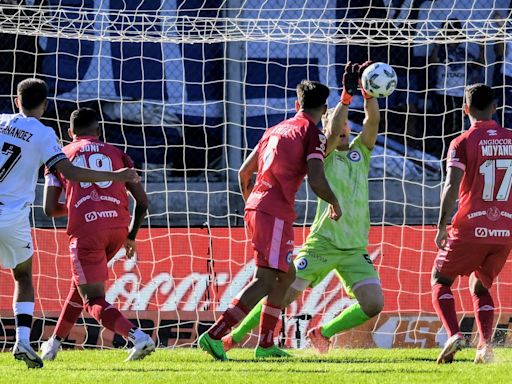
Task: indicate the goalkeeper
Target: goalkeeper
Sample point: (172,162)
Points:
(338,245)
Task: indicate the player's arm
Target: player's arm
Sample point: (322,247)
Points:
(141,207)
(334,121)
(370,123)
(51,205)
(448,201)
(74,173)
(246,172)
(320,185)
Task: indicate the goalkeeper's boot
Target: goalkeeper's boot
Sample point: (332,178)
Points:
(452,346)
(143,346)
(484,354)
(212,347)
(319,342)
(50,348)
(228,342)
(24,352)
(270,352)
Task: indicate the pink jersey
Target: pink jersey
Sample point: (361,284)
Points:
(484,153)
(283,152)
(93,207)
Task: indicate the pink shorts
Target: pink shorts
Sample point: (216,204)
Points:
(90,254)
(272,240)
(463,258)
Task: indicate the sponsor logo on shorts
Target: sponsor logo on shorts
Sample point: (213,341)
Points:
(354,156)
(486,232)
(289,257)
(302,264)
(95,215)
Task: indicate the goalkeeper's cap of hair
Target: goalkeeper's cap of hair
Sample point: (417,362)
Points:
(312,94)
(479,96)
(83,120)
(32,93)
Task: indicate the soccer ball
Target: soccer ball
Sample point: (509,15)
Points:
(379,80)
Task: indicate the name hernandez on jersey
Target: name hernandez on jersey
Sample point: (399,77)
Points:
(484,153)
(283,152)
(94,206)
(25,145)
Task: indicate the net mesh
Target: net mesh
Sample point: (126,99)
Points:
(187,88)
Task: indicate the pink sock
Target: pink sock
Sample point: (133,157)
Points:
(444,304)
(483,306)
(108,316)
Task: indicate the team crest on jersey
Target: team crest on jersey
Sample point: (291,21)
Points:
(354,156)
(493,213)
(289,257)
(302,264)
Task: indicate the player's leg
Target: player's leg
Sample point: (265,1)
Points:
(252,320)
(260,286)
(457,259)
(23,306)
(16,255)
(483,306)
(269,237)
(361,281)
(69,314)
(89,266)
(270,314)
(479,284)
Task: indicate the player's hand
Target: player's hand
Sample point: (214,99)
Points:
(127,175)
(363,66)
(130,247)
(441,238)
(335,212)
(351,78)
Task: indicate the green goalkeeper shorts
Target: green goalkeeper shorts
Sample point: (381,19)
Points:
(317,258)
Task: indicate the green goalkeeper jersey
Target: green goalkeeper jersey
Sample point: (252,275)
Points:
(347,173)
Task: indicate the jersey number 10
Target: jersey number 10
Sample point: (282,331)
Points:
(488,170)
(98,162)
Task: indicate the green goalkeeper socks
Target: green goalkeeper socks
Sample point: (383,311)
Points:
(250,322)
(349,318)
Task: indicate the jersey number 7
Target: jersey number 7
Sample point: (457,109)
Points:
(10,154)
(488,170)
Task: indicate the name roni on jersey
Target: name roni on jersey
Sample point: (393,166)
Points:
(496,147)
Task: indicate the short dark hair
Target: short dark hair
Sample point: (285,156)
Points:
(312,94)
(32,93)
(83,120)
(479,96)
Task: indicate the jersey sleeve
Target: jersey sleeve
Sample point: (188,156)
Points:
(315,144)
(457,154)
(127,161)
(51,152)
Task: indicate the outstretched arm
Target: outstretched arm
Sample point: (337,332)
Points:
(74,173)
(371,122)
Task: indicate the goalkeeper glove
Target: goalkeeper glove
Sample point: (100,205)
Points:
(362,67)
(350,82)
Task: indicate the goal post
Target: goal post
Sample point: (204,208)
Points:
(187,89)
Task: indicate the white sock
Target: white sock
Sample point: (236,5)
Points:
(23,308)
(23,334)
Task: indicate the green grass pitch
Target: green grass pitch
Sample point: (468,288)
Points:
(193,366)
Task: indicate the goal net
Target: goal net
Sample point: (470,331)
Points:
(187,88)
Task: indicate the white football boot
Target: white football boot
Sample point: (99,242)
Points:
(50,348)
(452,345)
(143,346)
(24,352)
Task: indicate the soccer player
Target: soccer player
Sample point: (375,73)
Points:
(341,245)
(283,156)
(478,242)
(25,145)
(98,220)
